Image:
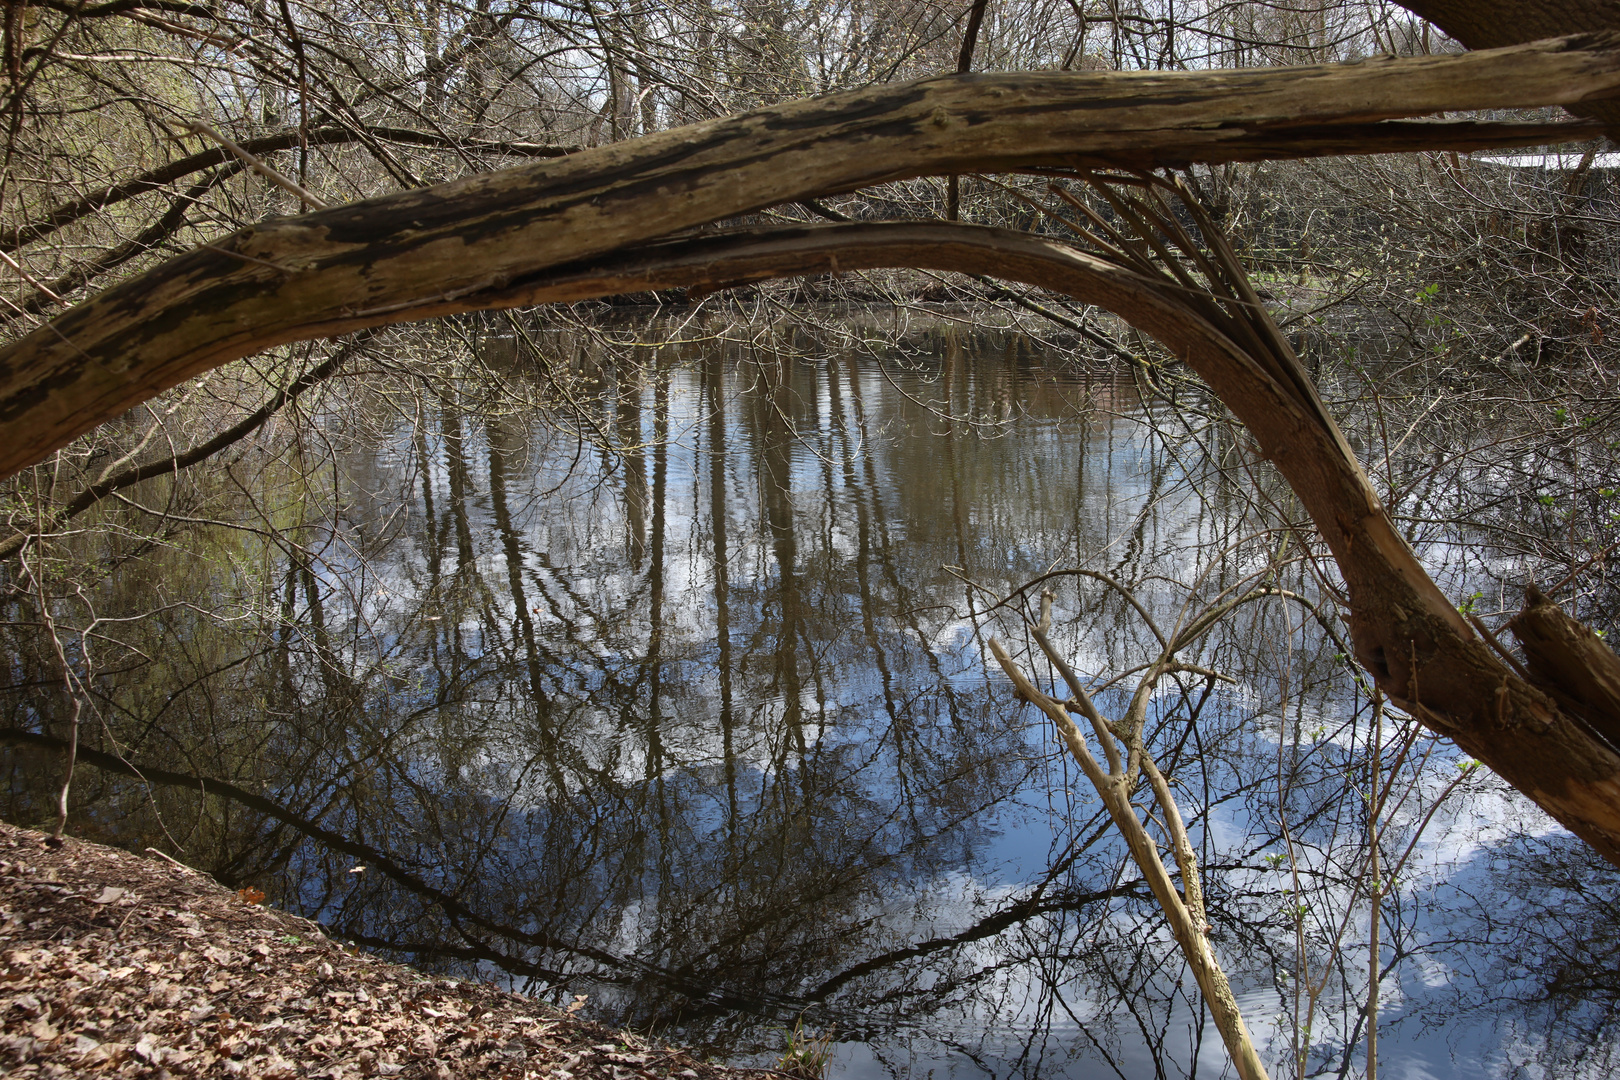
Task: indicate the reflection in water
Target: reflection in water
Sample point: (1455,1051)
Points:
(698,723)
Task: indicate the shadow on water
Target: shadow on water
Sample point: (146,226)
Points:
(681,703)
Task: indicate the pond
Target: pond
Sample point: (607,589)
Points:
(680,702)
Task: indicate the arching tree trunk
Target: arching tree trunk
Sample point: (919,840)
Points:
(451,247)
(587,226)
(1417,646)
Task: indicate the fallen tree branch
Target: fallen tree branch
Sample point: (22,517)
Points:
(283,280)
(135,474)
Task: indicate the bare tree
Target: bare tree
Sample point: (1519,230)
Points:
(157,290)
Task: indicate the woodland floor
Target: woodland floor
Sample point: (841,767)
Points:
(122,965)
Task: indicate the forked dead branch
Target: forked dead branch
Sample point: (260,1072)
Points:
(1116,779)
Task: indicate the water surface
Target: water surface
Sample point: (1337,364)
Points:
(681,701)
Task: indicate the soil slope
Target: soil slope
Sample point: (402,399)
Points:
(119,965)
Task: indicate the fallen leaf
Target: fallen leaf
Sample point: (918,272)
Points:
(173,975)
(149,1051)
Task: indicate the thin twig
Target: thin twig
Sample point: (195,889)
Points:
(177,863)
(309,198)
(1491,640)
(26,276)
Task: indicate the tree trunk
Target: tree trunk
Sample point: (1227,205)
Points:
(526,236)
(1571,663)
(1492,24)
(387,259)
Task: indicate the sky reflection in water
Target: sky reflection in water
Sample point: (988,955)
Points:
(704,728)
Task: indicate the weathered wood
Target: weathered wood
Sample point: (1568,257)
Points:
(1570,662)
(1491,24)
(378,260)
(550,232)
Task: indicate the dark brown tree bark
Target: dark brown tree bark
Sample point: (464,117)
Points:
(1491,24)
(1571,663)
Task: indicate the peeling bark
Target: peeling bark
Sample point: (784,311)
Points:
(1571,663)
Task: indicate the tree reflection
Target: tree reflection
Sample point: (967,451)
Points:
(673,701)
(1543,960)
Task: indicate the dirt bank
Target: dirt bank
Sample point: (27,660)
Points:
(123,965)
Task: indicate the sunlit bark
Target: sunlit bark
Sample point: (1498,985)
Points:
(459,245)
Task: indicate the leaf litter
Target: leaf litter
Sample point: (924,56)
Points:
(114,964)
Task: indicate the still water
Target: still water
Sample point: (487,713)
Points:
(681,701)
